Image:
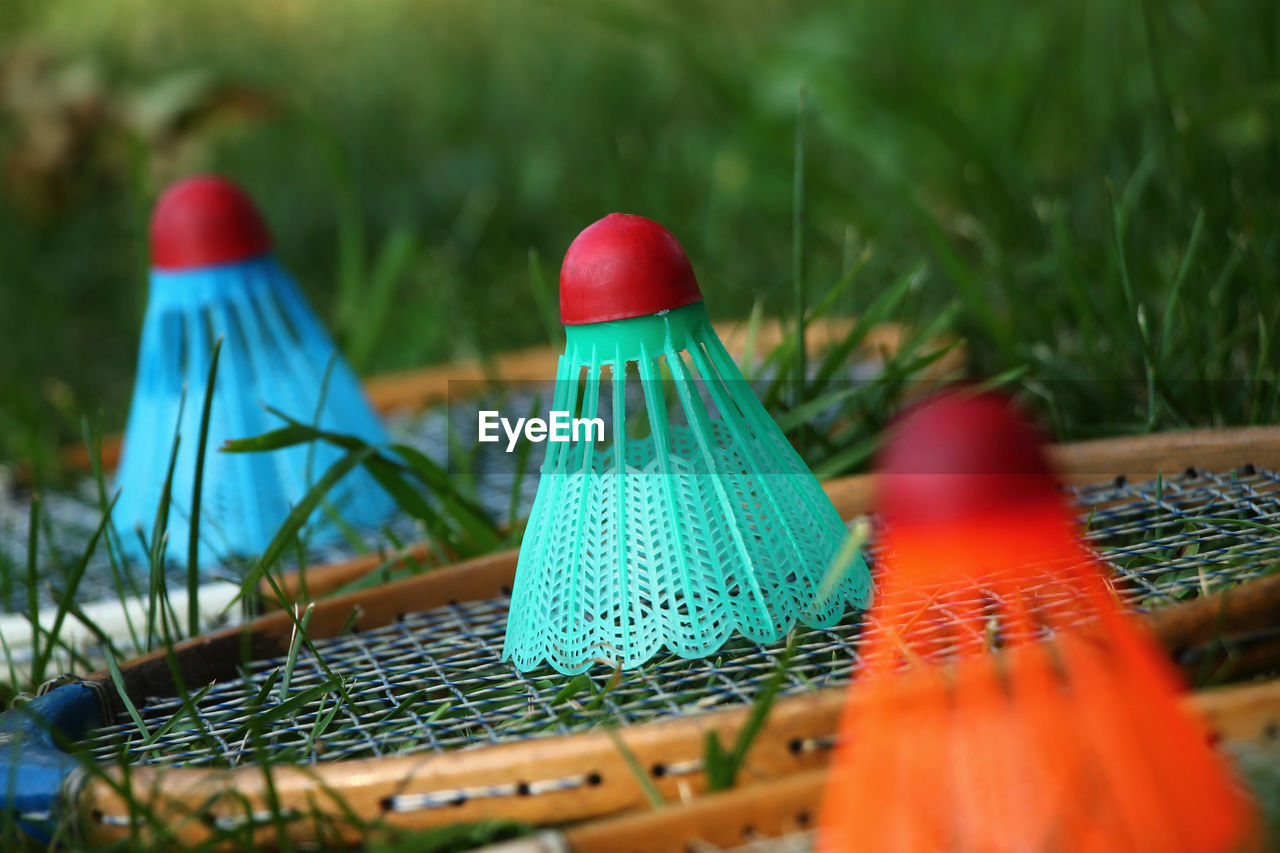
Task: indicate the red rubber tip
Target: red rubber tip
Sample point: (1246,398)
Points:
(624,266)
(962,455)
(205,221)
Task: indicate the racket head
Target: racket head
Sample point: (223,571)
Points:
(1133,510)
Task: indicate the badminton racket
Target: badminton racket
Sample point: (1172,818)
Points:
(397,711)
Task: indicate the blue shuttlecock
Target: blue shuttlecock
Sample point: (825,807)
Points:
(213,275)
(690,517)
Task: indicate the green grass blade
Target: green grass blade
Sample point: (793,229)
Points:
(722,767)
(545,299)
(187,710)
(1175,291)
(747,360)
(295,643)
(797,250)
(69,593)
(297,517)
(117,679)
(651,792)
(33,597)
(197,492)
(395,256)
(521,469)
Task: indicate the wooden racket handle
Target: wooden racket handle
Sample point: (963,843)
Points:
(1250,611)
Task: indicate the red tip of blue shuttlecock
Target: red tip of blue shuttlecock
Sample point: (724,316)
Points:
(624,266)
(962,455)
(205,221)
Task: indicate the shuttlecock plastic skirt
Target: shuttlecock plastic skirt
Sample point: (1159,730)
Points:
(275,352)
(691,518)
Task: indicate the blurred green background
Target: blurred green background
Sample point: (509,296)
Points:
(1094,186)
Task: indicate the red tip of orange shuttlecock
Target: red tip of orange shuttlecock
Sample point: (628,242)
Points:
(624,266)
(205,221)
(961,455)
(968,497)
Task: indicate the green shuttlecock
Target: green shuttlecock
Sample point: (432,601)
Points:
(683,515)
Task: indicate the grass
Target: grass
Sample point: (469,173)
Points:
(1091,187)
(1085,194)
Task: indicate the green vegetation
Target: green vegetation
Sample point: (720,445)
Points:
(1093,186)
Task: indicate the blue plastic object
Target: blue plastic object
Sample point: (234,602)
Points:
(34,769)
(274,352)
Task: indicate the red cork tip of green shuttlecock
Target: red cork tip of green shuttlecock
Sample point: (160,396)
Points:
(624,266)
(205,221)
(963,455)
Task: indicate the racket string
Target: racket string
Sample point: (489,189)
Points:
(1187,534)
(435,681)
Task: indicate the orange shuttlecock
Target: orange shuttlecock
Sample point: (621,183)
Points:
(1007,701)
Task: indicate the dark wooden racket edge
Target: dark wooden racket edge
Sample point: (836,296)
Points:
(1227,636)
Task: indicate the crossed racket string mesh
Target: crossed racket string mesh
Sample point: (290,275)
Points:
(435,681)
(1187,535)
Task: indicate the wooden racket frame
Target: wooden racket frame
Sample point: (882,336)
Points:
(789,805)
(560,779)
